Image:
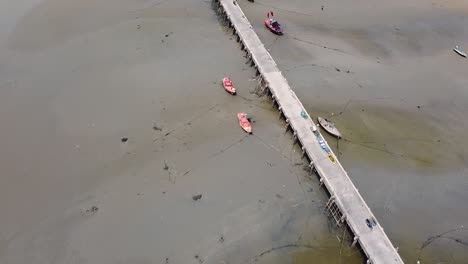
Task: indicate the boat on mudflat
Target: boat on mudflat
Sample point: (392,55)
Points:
(244,122)
(459,51)
(229,86)
(274,26)
(329,127)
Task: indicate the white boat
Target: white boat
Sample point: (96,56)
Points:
(459,51)
(329,127)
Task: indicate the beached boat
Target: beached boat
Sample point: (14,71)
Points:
(329,127)
(459,51)
(244,122)
(229,86)
(274,26)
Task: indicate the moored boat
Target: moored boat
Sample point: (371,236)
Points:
(229,86)
(244,122)
(329,127)
(274,26)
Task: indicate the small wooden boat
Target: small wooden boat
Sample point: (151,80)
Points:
(229,86)
(274,26)
(329,127)
(459,51)
(244,122)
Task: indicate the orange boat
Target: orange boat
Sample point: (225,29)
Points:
(228,86)
(244,122)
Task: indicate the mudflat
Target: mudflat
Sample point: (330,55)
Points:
(120,145)
(386,75)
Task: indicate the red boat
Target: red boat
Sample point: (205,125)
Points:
(228,86)
(244,122)
(274,26)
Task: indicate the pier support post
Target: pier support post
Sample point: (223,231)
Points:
(281,115)
(355,240)
(312,167)
(287,126)
(262,85)
(332,198)
(303,151)
(260,81)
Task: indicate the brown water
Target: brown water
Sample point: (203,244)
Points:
(77,76)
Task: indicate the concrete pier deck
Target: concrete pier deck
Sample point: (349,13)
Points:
(346,199)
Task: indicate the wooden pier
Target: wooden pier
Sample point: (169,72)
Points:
(346,205)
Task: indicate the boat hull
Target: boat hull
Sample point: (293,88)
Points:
(459,52)
(272,29)
(244,122)
(329,127)
(228,86)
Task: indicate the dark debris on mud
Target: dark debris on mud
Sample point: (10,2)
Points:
(92,210)
(197,197)
(157,128)
(200,260)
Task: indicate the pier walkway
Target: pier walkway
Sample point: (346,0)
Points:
(346,205)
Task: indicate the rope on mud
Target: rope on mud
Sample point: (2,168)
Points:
(442,235)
